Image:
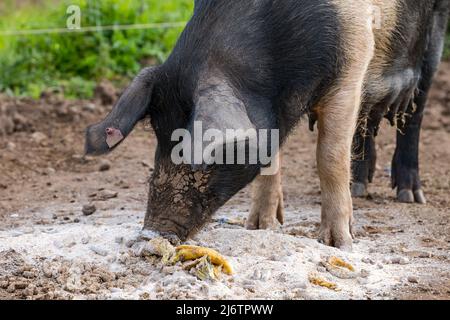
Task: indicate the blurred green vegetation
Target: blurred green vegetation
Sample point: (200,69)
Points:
(447,44)
(75,62)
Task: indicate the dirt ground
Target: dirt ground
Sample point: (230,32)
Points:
(50,250)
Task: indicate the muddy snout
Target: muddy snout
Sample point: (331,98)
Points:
(147,235)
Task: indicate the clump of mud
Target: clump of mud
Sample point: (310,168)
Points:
(57,278)
(12,121)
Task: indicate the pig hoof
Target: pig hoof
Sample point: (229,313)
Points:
(405,196)
(172,237)
(262,225)
(338,239)
(146,235)
(419,197)
(359,190)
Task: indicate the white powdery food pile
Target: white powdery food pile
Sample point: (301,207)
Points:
(95,258)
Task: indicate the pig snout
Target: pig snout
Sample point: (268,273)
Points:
(147,235)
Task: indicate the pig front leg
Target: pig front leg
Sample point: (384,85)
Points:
(267,203)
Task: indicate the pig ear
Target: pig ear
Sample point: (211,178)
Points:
(132,107)
(218,110)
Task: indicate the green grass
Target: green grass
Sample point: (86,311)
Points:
(75,62)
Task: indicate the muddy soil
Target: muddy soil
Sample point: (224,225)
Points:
(49,249)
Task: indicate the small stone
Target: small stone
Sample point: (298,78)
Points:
(321,269)
(28,274)
(362,281)
(4,284)
(106,195)
(49,171)
(118,240)
(89,209)
(129,243)
(11,288)
(365,273)
(367,260)
(10,146)
(85,240)
(20,285)
(90,107)
(250,287)
(39,137)
(99,251)
(413,279)
(257,275)
(105,165)
(399,260)
(300,285)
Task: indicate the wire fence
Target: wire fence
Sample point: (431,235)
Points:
(163,25)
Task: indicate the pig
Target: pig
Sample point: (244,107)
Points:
(266,64)
(397,89)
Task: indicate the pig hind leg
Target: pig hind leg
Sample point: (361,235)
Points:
(405,163)
(364,158)
(337,119)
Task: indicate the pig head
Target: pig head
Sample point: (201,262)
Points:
(183,196)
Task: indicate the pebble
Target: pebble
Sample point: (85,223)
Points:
(396,260)
(89,209)
(58,244)
(321,269)
(413,279)
(49,171)
(105,165)
(106,195)
(300,285)
(365,273)
(367,260)
(99,251)
(39,137)
(4,284)
(256,275)
(10,146)
(85,240)
(362,281)
(129,243)
(90,107)
(118,240)
(16,233)
(400,260)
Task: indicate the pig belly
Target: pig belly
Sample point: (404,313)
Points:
(390,94)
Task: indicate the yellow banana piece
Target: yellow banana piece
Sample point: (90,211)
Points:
(318,281)
(186,253)
(338,262)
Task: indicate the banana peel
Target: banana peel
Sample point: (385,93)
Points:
(187,253)
(339,268)
(205,263)
(159,247)
(338,262)
(318,281)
